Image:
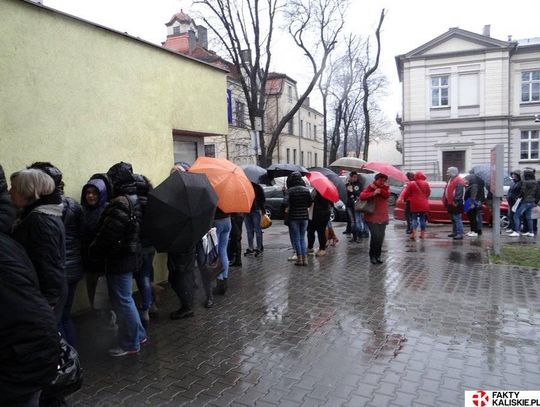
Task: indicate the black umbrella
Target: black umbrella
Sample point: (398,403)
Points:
(256,174)
(180,211)
(336,180)
(284,170)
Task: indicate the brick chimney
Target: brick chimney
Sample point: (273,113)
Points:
(192,40)
(486,32)
(202,36)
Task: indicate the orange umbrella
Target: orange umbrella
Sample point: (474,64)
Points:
(234,190)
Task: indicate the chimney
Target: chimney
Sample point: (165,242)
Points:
(202,36)
(192,40)
(486,32)
(509,38)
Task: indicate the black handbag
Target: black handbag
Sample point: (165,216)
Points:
(366,206)
(69,376)
(209,261)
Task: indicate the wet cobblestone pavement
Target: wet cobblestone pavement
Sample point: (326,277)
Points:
(433,321)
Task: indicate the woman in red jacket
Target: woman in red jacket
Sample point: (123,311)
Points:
(377,221)
(417,193)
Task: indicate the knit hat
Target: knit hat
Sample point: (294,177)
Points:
(452,171)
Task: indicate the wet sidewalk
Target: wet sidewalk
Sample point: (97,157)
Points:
(433,321)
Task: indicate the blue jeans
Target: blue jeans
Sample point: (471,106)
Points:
(130,330)
(419,218)
(223,230)
(143,277)
(66,327)
(524,208)
(253,227)
(457,224)
(298,234)
(357,222)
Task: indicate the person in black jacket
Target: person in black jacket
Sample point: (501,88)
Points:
(118,243)
(355,186)
(8,214)
(299,200)
(40,230)
(512,196)
(71,216)
(29,341)
(318,223)
(253,222)
(529,194)
(474,197)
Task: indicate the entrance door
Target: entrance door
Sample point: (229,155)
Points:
(453,159)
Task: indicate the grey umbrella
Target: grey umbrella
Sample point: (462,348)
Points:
(256,174)
(348,163)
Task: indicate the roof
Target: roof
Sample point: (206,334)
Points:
(488,43)
(528,41)
(123,34)
(181,17)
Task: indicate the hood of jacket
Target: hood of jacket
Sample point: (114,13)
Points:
(121,176)
(517,174)
(99,184)
(419,176)
(528,175)
(295,180)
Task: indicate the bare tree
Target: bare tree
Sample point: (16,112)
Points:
(365,84)
(325,81)
(244,29)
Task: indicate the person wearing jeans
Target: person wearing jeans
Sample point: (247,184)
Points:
(299,200)
(530,194)
(222,223)
(453,200)
(143,279)
(253,222)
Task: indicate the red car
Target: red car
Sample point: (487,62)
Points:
(438,213)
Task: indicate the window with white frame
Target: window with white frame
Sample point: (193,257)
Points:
(439,91)
(530,86)
(529,145)
(314,132)
(291,126)
(468,90)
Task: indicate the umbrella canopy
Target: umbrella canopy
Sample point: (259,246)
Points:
(234,190)
(348,163)
(256,174)
(323,185)
(179,212)
(483,171)
(336,180)
(284,170)
(386,169)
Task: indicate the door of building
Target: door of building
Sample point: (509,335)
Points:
(453,159)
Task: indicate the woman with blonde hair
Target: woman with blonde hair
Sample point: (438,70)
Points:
(40,230)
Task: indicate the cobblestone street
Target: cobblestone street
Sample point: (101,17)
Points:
(431,322)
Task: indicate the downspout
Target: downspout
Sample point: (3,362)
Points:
(509,120)
(279,137)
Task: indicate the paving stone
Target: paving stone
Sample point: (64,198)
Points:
(433,320)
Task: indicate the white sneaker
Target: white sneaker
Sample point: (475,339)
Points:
(510,231)
(292,258)
(472,234)
(530,234)
(514,234)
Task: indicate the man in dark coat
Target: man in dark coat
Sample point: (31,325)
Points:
(29,342)
(118,243)
(474,197)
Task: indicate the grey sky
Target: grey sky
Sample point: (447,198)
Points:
(408,24)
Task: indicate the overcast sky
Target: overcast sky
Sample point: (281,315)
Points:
(408,24)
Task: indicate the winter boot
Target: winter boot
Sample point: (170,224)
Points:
(423,234)
(304,260)
(412,236)
(299,260)
(221,287)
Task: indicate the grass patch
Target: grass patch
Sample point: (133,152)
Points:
(518,255)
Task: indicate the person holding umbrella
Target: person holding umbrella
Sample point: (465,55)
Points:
(318,224)
(474,196)
(379,192)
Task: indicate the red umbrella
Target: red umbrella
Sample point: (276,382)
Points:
(386,169)
(323,185)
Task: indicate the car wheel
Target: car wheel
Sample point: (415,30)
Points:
(332,214)
(392,199)
(268,212)
(505,222)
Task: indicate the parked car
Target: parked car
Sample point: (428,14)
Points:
(274,207)
(438,213)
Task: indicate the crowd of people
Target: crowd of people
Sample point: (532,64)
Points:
(50,242)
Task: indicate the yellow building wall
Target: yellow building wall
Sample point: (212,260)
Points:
(84,98)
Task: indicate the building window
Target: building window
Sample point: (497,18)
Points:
(439,91)
(309,130)
(316,161)
(240,112)
(314,133)
(176,30)
(529,145)
(210,150)
(468,90)
(310,159)
(301,128)
(291,126)
(530,86)
(241,151)
(288,155)
(302,158)
(289,90)
(294,155)
(185,151)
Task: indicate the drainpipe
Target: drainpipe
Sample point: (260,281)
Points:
(509,120)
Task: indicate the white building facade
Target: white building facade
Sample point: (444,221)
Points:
(463,93)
